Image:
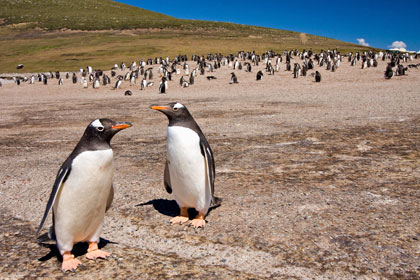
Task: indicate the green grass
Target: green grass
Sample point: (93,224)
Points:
(66,35)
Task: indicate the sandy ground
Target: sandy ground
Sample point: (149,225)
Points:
(319,181)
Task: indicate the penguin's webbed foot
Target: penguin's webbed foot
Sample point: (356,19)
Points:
(179,220)
(69,262)
(182,218)
(199,221)
(94,253)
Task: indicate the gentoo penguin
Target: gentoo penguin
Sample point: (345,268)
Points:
(317,77)
(119,82)
(83,192)
(189,169)
(96,83)
(19,66)
(192,78)
(128,93)
(74,78)
(60,81)
(185,84)
(389,73)
(84,83)
(163,85)
(233,78)
(259,75)
(143,84)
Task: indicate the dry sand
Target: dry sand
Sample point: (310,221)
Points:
(318,180)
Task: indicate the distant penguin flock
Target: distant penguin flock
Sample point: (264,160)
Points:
(299,63)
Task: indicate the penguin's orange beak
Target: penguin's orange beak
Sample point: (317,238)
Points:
(159,108)
(122,125)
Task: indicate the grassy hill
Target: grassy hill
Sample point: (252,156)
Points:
(66,35)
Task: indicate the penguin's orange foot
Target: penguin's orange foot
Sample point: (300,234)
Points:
(97,254)
(69,262)
(198,221)
(94,253)
(179,220)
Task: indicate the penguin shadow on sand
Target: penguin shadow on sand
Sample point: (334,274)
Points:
(171,209)
(79,249)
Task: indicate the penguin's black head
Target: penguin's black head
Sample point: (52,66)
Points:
(104,129)
(175,111)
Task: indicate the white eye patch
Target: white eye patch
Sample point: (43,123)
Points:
(178,106)
(97,124)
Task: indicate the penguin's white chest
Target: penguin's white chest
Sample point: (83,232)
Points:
(187,169)
(80,205)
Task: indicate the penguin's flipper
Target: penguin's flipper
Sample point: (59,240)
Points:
(110,198)
(209,163)
(167,179)
(62,176)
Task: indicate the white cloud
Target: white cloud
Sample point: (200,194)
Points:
(399,49)
(362,42)
(398,45)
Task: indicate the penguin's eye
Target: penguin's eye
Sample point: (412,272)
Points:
(100,128)
(175,108)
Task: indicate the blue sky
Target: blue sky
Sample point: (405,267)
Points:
(377,23)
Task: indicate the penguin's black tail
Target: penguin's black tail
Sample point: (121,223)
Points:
(216,201)
(47,237)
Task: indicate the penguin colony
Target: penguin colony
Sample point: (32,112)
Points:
(189,172)
(141,75)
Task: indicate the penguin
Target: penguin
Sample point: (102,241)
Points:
(60,81)
(296,71)
(233,78)
(96,83)
(132,80)
(19,66)
(317,77)
(128,93)
(190,169)
(248,67)
(259,75)
(143,84)
(104,80)
(74,78)
(163,85)
(119,82)
(192,78)
(83,192)
(389,73)
(84,83)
